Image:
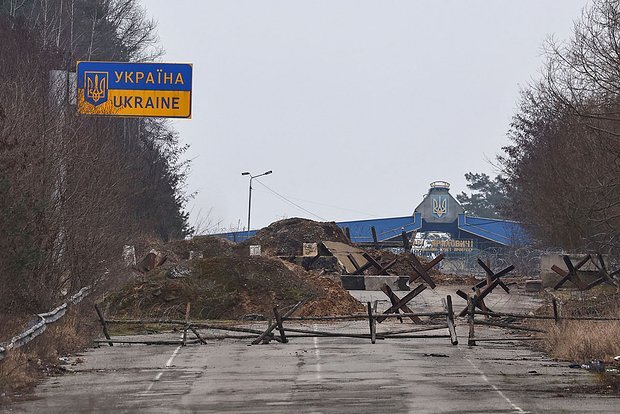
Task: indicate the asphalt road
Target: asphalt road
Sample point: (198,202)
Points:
(325,375)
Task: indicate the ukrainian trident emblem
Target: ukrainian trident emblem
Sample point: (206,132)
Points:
(96,90)
(440,206)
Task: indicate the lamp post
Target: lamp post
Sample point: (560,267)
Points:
(250,197)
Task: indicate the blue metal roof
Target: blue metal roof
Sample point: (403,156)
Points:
(236,236)
(499,231)
(386,228)
(503,232)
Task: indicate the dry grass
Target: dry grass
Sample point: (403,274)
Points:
(24,367)
(583,341)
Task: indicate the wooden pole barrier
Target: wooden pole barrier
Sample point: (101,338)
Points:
(187,309)
(373,325)
(103,325)
(276,314)
(555,310)
(200,338)
(450,319)
(272,326)
(470,319)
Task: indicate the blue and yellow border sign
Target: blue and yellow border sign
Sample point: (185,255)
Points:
(135,89)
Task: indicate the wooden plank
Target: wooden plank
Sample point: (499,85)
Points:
(354,262)
(363,268)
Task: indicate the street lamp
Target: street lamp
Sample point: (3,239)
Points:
(250,197)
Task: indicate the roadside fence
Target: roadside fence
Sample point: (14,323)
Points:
(38,325)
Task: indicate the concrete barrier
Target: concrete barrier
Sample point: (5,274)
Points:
(352,282)
(588,272)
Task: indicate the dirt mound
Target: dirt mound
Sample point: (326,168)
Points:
(207,246)
(286,237)
(228,288)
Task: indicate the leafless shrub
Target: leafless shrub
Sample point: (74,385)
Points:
(563,167)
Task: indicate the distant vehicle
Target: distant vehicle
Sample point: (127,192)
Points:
(423,243)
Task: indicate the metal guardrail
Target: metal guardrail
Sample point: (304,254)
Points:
(39,325)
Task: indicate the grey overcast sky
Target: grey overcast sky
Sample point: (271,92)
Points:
(355,105)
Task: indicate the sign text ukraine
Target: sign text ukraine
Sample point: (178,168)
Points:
(135,89)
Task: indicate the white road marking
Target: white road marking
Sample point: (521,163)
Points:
(317,353)
(168,365)
(501,394)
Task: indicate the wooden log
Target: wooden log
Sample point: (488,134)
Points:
(372,322)
(554,302)
(332,334)
(187,309)
(414,330)
(450,321)
(421,314)
(526,338)
(104,326)
(272,326)
(145,321)
(507,325)
(561,318)
(407,336)
(144,342)
(470,319)
(200,338)
(374,237)
(358,316)
(276,314)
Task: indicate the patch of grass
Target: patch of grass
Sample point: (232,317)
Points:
(25,366)
(218,287)
(583,341)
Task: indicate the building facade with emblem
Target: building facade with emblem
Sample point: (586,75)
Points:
(439,219)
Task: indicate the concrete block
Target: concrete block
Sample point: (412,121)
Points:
(533,285)
(353,282)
